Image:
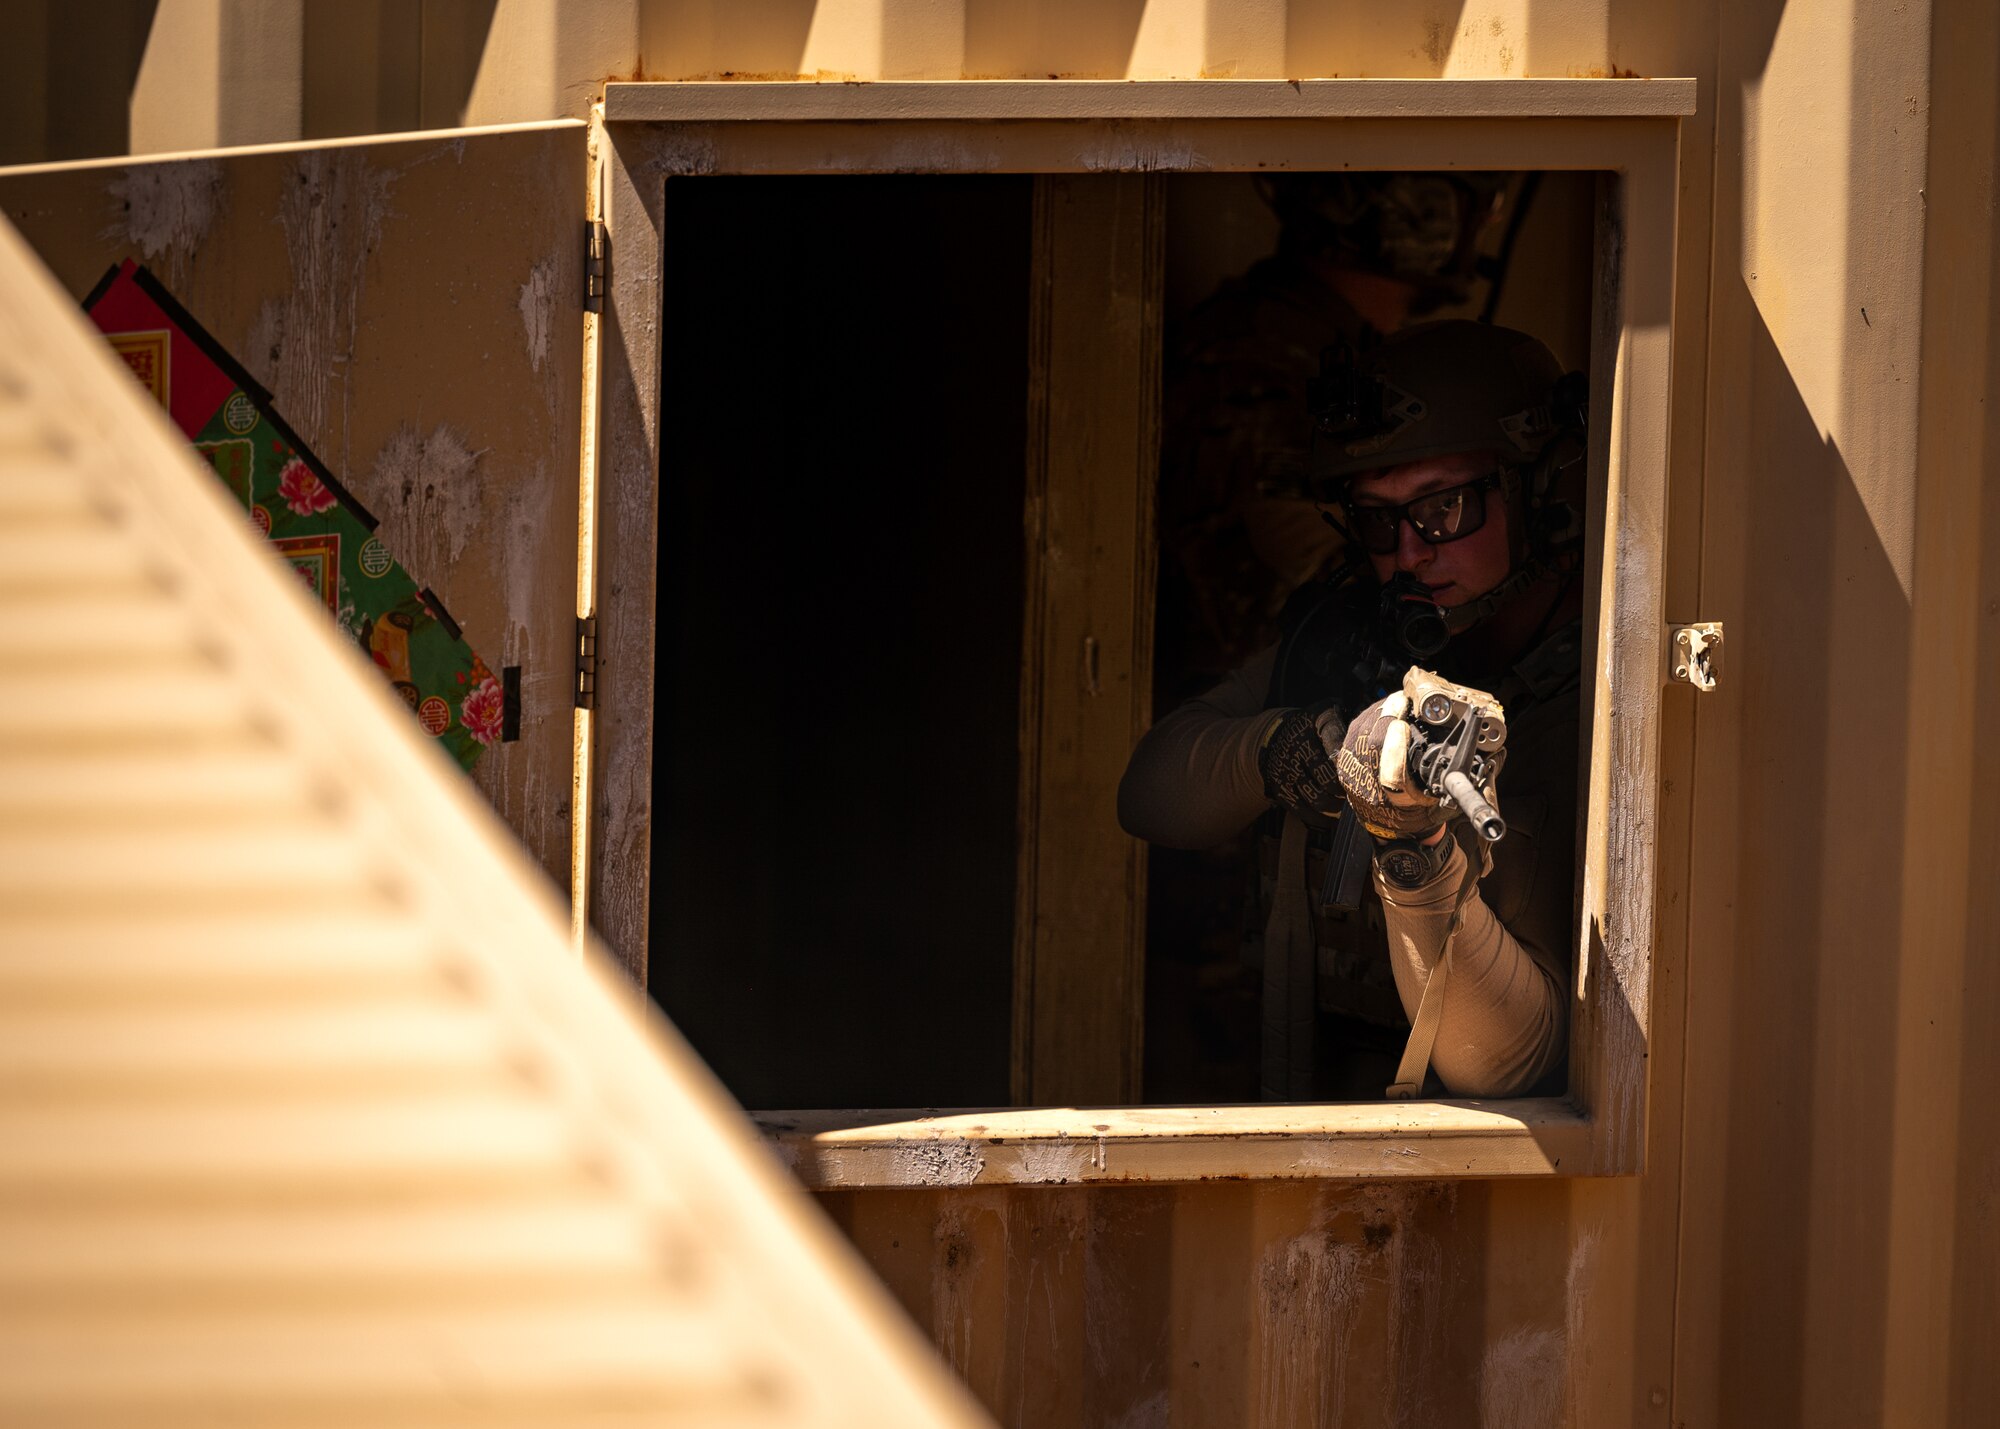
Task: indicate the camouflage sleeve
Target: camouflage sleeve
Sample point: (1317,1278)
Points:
(1193,781)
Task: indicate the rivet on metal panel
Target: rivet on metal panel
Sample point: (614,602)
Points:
(1694,653)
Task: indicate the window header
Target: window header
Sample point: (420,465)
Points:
(933,100)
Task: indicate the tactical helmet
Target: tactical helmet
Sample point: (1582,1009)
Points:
(1441,388)
(1422,228)
(1434,390)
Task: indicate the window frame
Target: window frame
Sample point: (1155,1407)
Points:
(648,133)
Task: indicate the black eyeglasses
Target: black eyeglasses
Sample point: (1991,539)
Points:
(1440,517)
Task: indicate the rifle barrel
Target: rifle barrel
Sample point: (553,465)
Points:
(1484,816)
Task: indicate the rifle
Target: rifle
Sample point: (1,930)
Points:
(1458,741)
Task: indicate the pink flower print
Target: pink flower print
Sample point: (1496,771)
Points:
(304,492)
(482,710)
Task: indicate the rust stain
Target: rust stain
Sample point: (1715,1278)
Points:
(1437,42)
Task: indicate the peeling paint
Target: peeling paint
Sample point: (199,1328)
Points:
(514,522)
(1308,1290)
(939,1163)
(538,309)
(264,344)
(683,151)
(1418,1286)
(1577,1298)
(956,1264)
(1057,1161)
(332,211)
(166,209)
(1130,148)
(430,495)
(925,154)
(951,1308)
(1151,1413)
(1521,1381)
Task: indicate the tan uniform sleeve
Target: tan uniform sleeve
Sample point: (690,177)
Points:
(1505,1022)
(1504,1019)
(1193,781)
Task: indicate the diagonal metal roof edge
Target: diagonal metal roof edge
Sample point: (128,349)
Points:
(286,146)
(679,1142)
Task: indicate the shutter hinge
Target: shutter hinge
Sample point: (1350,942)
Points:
(594,244)
(1695,655)
(586,662)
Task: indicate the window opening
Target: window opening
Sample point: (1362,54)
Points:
(843,409)
(1262,273)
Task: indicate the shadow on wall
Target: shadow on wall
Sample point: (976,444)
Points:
(716,39)
(1121,39)
(1801,827)
(1975,1291)
(367,67)
(65,95)
(389,66)
(1812,984)
(1063,39)
(784,39)
(1413,39)
(1047,39)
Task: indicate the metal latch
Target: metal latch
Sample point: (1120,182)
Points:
(594,244)
(586,662)
(1695,654)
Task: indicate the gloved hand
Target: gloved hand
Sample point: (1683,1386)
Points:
(1372,769)
(1296,760)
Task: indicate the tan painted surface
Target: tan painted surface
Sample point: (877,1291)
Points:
(1121,39)
(430,352)
(217,72)
(1840,1183)
(1819,1248)
(307,1116)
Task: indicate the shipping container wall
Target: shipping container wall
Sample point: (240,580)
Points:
(1814,1239)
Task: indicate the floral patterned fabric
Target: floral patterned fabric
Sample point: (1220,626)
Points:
(316,527)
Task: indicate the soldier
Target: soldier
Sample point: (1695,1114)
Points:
(1358,255)
(1453,452)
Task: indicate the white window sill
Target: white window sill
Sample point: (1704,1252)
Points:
(843,1150)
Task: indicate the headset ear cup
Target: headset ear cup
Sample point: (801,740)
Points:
(1554,512)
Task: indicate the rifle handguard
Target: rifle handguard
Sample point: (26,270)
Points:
(1458,744)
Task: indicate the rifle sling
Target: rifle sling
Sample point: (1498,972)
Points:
(1416,1063)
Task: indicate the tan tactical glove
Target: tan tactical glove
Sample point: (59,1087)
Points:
(1372,772)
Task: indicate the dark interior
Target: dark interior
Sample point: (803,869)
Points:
(835,752)
(840,633)
(1203,975)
